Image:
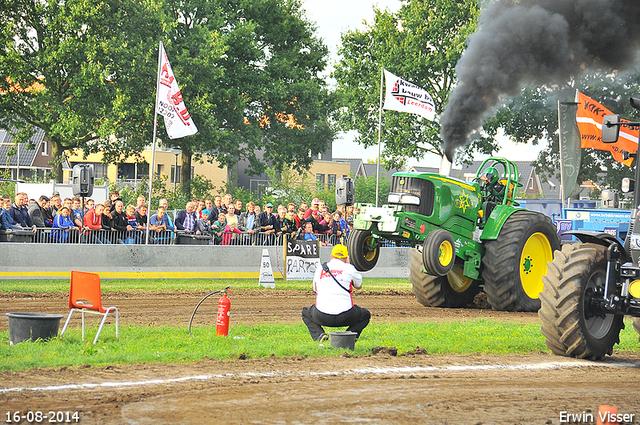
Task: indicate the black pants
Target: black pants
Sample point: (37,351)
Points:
(356,318)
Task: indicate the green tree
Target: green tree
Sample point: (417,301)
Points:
(365,189)
(421,43)
(81,72)
(249,72)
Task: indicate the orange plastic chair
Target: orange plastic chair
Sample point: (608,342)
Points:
(85,296)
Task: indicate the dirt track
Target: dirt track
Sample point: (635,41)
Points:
(381,388)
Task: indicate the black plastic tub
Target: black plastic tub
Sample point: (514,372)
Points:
(32,326)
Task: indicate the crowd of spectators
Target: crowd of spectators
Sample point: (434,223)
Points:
(222,220)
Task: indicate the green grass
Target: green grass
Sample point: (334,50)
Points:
(134,285)
(139,344)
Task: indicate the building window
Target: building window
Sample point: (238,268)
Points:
(160,169)
(531,184)
(332,181)
(320,181)
(100,171)
(45,148)
(175,176)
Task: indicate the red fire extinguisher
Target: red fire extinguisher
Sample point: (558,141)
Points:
(224,311)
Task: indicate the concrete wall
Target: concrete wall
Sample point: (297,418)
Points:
(50,261)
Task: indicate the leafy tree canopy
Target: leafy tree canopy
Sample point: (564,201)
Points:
(421,43)
(79,71)
(85,73)
(249,71)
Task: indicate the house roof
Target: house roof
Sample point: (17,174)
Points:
(372,170)
(27,156)
(417,169)
(355,165)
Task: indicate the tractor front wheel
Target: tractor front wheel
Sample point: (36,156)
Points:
(363,250)
(438,252)
(516,260)
(570,324)
(453,290)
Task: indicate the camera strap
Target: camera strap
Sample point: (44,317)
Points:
(325,267)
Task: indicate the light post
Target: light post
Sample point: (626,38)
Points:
(176,152)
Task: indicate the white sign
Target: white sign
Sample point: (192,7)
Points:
(303,257)
(266,273)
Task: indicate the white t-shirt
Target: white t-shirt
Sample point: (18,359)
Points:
(331,299)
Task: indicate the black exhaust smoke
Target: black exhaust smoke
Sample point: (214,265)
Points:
(535,42)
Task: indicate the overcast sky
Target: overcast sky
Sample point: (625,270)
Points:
(333,17)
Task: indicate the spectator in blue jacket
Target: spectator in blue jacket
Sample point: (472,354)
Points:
(7,222)
(62,225)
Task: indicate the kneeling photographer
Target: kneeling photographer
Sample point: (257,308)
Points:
(334,306)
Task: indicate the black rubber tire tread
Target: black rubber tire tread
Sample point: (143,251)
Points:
(501,260)
(562,311)
(430,251)
(636,326)
(435,291)
(355,247)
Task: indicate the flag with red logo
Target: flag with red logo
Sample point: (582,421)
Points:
(403,96)
(589,118)
(170,104)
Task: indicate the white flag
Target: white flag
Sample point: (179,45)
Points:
(403,96)
(170,105)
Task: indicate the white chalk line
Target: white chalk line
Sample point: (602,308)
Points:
(361,371)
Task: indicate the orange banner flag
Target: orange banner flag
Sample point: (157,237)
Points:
(589,117)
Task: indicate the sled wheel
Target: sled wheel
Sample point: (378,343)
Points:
(515,262)
(453,290)
(363,250)
(570,324)
(438,252)
(636,326)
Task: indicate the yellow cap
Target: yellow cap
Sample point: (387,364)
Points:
(339,251)
(634,289)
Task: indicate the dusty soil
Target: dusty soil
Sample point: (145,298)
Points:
(378,388)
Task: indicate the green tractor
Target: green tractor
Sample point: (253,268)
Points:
(463,236)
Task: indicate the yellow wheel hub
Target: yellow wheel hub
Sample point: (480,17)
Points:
(369,254)
(445,253)
(536,254)
(458,281)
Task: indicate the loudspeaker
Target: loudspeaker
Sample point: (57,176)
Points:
(344,191)
(82,180)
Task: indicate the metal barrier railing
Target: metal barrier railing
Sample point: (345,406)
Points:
(87,236)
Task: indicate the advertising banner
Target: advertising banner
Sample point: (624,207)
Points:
(303,257)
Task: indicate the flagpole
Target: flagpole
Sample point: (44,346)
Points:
(379,135)
(561,157)
(153,146)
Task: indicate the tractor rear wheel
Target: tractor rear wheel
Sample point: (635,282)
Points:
(515,262)
(569,324)
(453,290)
(363,250)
